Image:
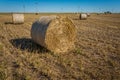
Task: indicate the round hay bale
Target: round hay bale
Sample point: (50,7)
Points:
(88,14)
(36,13)
(83,16)
(57,34)
(98,13)
(18,18)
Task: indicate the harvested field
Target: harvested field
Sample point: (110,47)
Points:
(96,57)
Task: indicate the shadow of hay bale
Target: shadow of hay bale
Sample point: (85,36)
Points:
(26,44)
(12,23)
(8,23)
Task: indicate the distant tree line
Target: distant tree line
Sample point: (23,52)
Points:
(107,12)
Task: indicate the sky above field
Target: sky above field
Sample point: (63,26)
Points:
(59,5)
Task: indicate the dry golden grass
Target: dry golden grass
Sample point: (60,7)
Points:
(96,57)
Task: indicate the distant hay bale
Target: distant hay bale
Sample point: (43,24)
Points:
(88,14)
(98,13)
(83,16)
(57,34)
(36,13)
(18,18)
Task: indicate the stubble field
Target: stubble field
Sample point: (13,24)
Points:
(96,57)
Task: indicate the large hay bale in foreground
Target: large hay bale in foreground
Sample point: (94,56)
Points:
(54,33)
(83,16)
(18,18)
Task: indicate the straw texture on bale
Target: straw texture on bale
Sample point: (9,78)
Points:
(57,34)
(83,16)
(18,18)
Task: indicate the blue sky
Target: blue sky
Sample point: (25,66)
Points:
(59,5)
